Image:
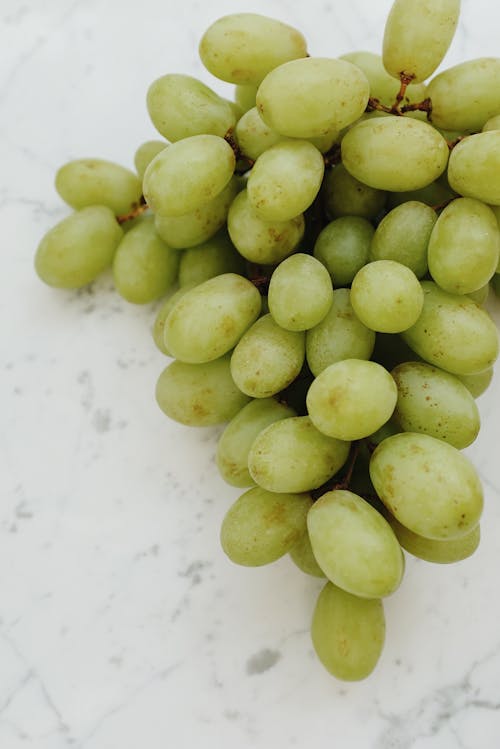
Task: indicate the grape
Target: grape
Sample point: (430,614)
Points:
(237,438)
(310,97)
(386,296)
(435,194)
(213,257)
(435,402)
(161,316)
(343,246)
(262,242)
(348,633)
(191,229)
(253,135)
(492,124)
(144,267)
(403,235)
(453,333)
(466,96)
(428,485)
(300,292)
(354,545)
(90,182)
(267,358)
(476,384)
(210,319)
(382,85)
(245,94)
(302,555)
(480,295)
(474,168)
(75,251)
(199,394)
(347,196)
(181,106)
(340,335)
(371,149)
(285,180)
(188,174)
(291,455)
(464,246)
(243,47)
(146,153)
(416,42)
(439,551)
(351,399)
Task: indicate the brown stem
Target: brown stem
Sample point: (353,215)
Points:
(421,106)
(405,80)
(137,210)
(333,156)
(344,483)
(452,143)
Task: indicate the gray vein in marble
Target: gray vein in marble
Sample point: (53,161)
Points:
(432,713)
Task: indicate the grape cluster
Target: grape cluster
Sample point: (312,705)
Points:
(327,241)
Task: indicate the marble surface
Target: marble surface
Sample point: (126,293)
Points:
(122,624)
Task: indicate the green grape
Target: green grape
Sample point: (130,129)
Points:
(244,95)
(340,335)
(435,194)
(300,292)
(480,295)
(191,229)
(382,85)
(267,358)
(492,124)
(351,399)
(237,111)
(210,319)
(144,267)
(181,106)
(260,527)
(354,545)
(75,251)
(435,402)
(428,485)
(439,551)
(242,48)
(310,97)
(161,316)
(417,39)
(474,168)
(199,395)
(89,182)
(348,633)
(253,135)
(146,153)
(403,236)
(302,555)
(466,96)
(262,242)
(285,180)
(372,150)
(343,246)
(346,196)
(476,384)
(291,455)
(464,246)
(237,438)
(188,174)
(453,333)
(387,296)
(213,257)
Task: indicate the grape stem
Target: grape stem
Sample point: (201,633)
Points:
(397,108)
(137,210)
(238,153)
(345,482)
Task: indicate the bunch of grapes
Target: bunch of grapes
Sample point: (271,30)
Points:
(326,241)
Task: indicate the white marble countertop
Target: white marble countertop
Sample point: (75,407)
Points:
(122,623)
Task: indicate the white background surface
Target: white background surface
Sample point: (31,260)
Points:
(122,624)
